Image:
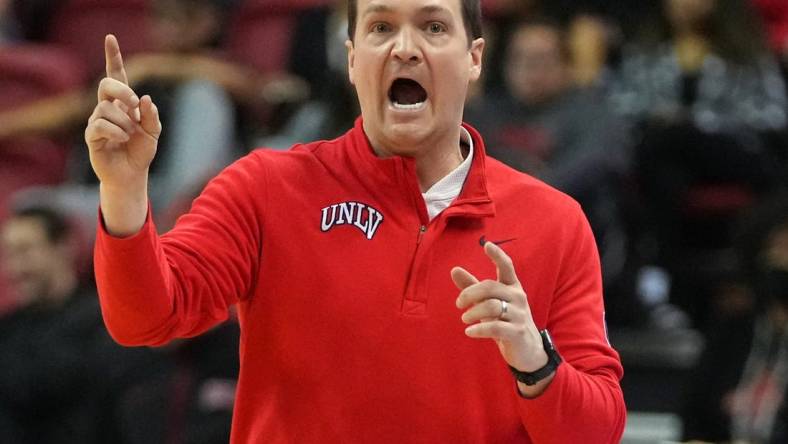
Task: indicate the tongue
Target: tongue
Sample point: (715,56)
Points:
(407,92)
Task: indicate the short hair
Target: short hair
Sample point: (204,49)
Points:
(471,18)
(56,227)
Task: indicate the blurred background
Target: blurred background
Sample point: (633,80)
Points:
(666,119)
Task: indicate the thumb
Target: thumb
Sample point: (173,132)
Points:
(462,278)
(149,117)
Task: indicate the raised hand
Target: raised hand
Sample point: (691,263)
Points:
(123,131)
(498,309)
(122,136)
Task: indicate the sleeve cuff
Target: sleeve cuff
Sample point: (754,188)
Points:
(551,396)
(118,241)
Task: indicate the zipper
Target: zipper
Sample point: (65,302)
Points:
(411,281)
(422,230)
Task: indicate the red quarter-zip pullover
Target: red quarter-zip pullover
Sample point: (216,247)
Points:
(350,333)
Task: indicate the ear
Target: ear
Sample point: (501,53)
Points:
(351,56)
(476,53)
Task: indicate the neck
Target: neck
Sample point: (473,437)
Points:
(434,160)
(691,50)
(436,164)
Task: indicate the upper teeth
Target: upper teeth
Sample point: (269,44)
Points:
(408,106)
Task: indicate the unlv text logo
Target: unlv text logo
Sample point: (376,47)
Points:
(363,217)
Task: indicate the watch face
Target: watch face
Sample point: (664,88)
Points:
(547,340)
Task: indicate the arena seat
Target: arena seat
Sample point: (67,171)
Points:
(29,72)
(724,198)
(82,24)
(260,33)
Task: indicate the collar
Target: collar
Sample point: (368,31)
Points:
(443,192)
(474,199)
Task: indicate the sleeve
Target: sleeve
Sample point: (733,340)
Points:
(153,289)
(584,401)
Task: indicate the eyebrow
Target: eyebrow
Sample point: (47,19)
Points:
(381,8)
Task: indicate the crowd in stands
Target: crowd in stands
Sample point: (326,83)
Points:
(666,120)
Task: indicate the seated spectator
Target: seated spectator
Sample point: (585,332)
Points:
(544,125)
(58,362)
(740,390)
(540,123)
(704,93)
(708,66)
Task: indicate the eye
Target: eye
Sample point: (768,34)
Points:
(380,28)
(436,27)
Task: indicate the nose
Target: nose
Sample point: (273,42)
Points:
(406,48)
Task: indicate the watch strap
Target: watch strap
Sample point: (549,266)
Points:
(553,360)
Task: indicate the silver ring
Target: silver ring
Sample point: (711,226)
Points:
(504,308)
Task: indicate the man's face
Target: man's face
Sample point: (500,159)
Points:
(535,69)
(411,65)
(30,259)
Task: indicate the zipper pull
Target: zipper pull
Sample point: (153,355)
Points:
(422,230)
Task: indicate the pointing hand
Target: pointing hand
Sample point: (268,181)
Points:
(123,131)
(498,309)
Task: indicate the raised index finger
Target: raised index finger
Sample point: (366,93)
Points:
(115,69)
(502,261)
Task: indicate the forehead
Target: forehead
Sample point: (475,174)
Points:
(365,7)
(22,229)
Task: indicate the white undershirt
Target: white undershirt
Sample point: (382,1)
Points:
(444,191)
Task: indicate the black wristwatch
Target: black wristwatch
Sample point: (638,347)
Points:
(553,360)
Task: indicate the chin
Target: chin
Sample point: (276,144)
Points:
(406,139)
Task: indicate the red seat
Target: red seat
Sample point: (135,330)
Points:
(29,72)
(717,199)
(82,24)
(261,32)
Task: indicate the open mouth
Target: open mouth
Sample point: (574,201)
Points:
(407,94)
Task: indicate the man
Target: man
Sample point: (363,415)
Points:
(341,256)
(539,124)
(739,389)
(48,389)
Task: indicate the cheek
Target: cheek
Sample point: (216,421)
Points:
(364,76)
(452,81)
(19,270)
(40,262)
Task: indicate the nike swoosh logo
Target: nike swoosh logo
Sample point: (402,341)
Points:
(483,240)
